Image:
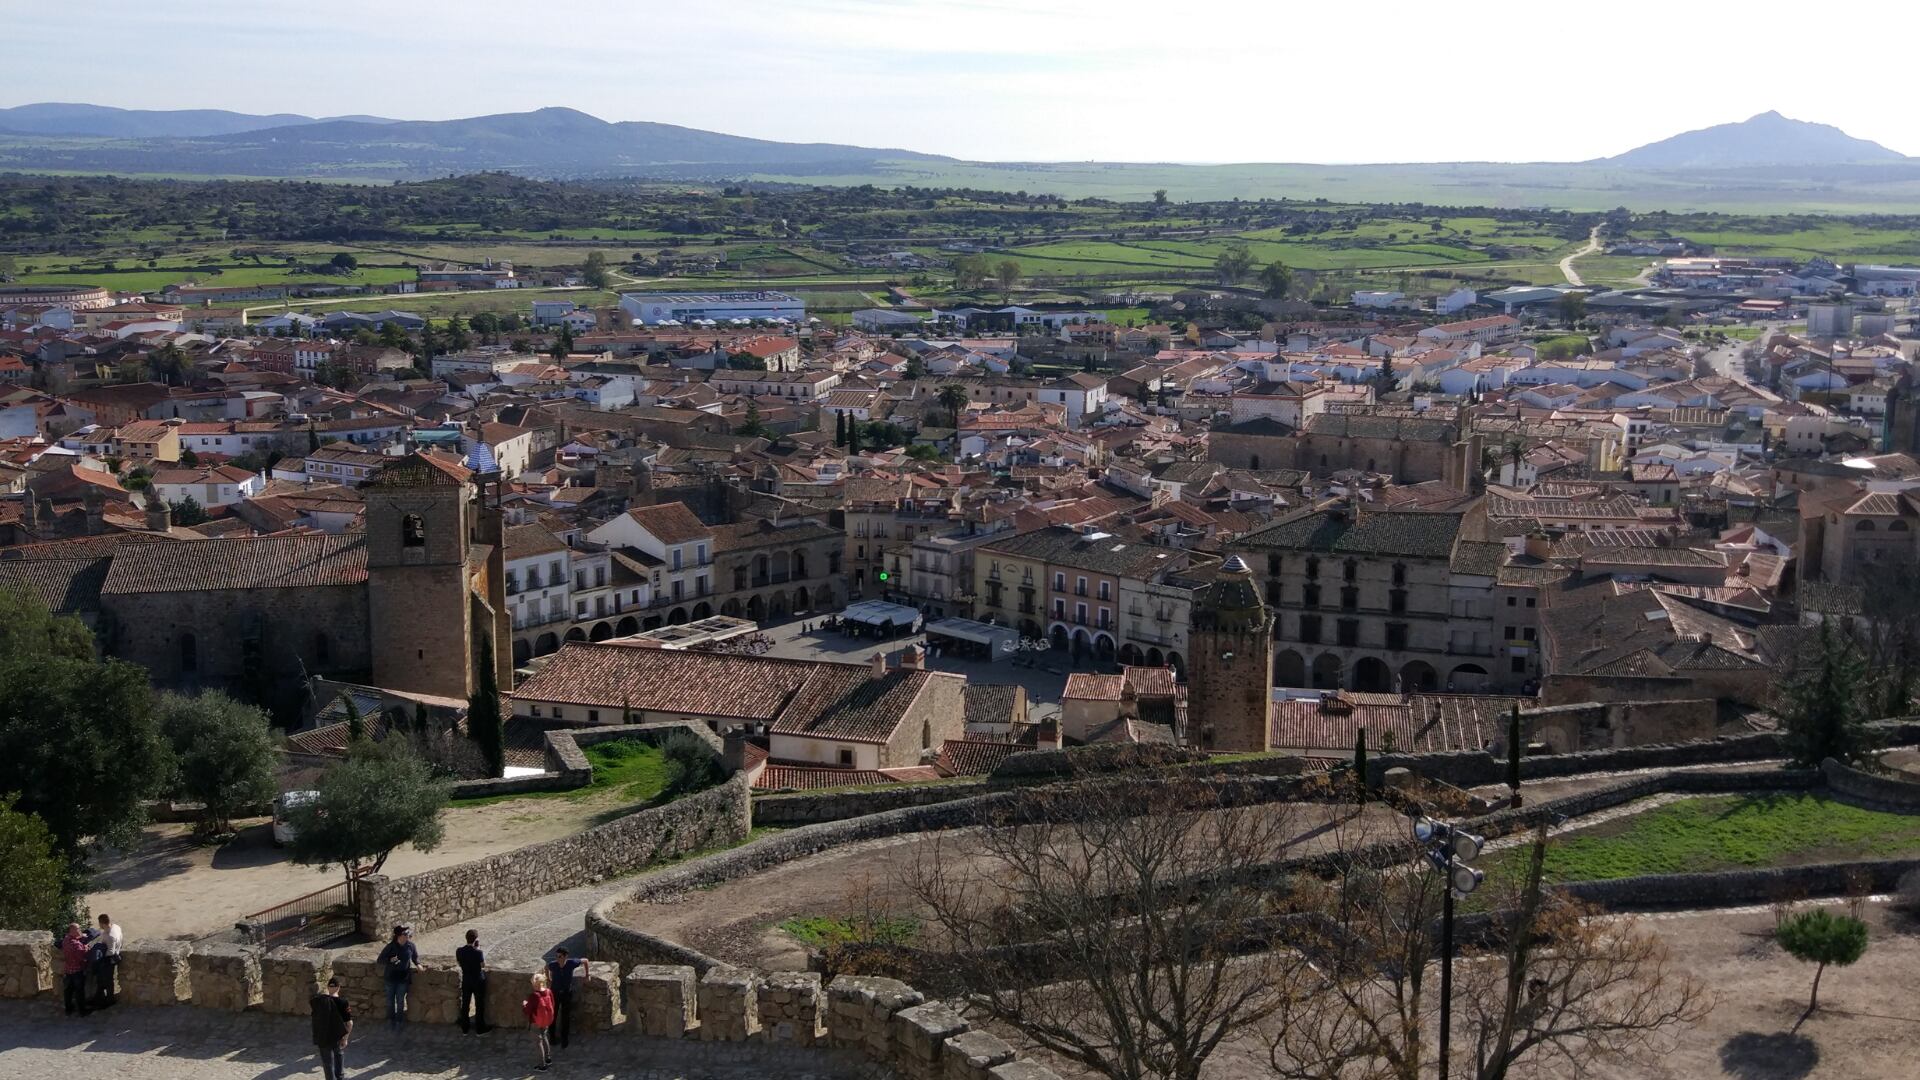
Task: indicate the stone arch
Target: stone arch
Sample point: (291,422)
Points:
(1178,665)
(1082,641)
(626,626)
(1326,671)
(545,644)
(1130,654)
(1030,630)
(576,634)
(702,610)
(522,651)
(823,597)
(777,607)
(1371,674)
(1289,668)
(600,632)
(1058,635)
(1467,678)
(756,608)
(731,608)
(1418,676)
(1103,646)
(1154,659)
(677,617)
(652,622)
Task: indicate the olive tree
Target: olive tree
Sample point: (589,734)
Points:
(381,796)
(222,752)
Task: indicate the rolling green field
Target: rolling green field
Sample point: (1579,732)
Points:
(1801,238)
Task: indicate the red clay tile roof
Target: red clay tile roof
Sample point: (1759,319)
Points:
(1150,681)
(255,562)
(808,777)
(421,469)
(969,757)
(671,522)
(1085,687)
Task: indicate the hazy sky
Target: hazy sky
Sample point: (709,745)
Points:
(1051,80)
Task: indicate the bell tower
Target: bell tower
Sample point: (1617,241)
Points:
(1230,672)
(420,517)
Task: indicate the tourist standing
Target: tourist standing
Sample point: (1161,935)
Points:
(473,983)
(332,1024)
(397,962)
(73,970)
(561,973)
(108,943)
(540,1011)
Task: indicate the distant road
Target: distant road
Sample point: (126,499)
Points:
(1566,264)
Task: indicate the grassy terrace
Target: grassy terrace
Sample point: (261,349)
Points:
(628,770)
(1723,833)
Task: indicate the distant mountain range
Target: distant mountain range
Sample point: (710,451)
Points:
(1763,140)
(1767,162)
(60,118)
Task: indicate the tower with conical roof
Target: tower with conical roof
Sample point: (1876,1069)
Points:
(1230,671)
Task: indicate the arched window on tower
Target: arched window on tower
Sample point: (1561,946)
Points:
(413,531)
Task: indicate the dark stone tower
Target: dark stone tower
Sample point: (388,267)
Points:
(423,621)
(1230,673)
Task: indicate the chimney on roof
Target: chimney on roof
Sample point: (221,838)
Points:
(912,658)
(95,504)
(877,666)
(159,514)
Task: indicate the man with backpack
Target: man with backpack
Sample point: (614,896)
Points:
(332,1024)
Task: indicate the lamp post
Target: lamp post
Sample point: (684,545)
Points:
(1450,850)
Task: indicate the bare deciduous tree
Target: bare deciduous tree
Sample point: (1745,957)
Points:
(1124,925)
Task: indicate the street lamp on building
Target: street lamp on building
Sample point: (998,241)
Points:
(1451,851)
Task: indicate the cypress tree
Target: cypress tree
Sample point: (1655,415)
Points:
(483,714)
(1360,763)
(839,429)
(1513,754)
(420,717)
(356,726)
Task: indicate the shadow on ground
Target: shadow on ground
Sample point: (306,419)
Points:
(1753,1055)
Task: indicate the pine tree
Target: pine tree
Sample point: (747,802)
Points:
(1360,763)
(1823,707)
(1513,754)
(483,714)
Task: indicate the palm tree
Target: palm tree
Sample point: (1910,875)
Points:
(1516,450)
(953,398)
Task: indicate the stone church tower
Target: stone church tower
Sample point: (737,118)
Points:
(435,591)
(1230,672)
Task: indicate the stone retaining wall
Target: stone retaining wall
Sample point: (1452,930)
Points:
(1762,885)
(1889,792)
(452,894)
(26,963)
(225,976)
(155,972)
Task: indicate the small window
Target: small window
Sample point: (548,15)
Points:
(1512,601)
(189,653)
(413,531)
(846,758)
(593,716)
(536,710)
(1530,601)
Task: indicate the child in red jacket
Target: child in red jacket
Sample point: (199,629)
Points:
(539,1009)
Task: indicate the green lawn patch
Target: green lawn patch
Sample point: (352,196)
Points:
(820,931)
(633,771)
(1723,833)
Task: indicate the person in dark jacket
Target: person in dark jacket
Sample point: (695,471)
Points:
(397,963)
(561,973)
(332,1024)
(473,984)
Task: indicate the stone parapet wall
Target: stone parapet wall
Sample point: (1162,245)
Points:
(453,894)
(290,977)
(225,976)
(155,972)
(663,1001)
(26,963)
(791,1007)
(729,1005)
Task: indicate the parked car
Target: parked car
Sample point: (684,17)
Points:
(283,805)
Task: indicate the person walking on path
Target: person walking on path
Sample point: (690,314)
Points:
(561,973)
(473,984)
(540,1011)
(73,969)
(398,961)
(332,1024)
(107,942)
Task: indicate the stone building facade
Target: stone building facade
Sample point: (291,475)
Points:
(1230,671)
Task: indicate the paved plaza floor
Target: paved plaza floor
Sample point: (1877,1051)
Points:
(186,1043)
